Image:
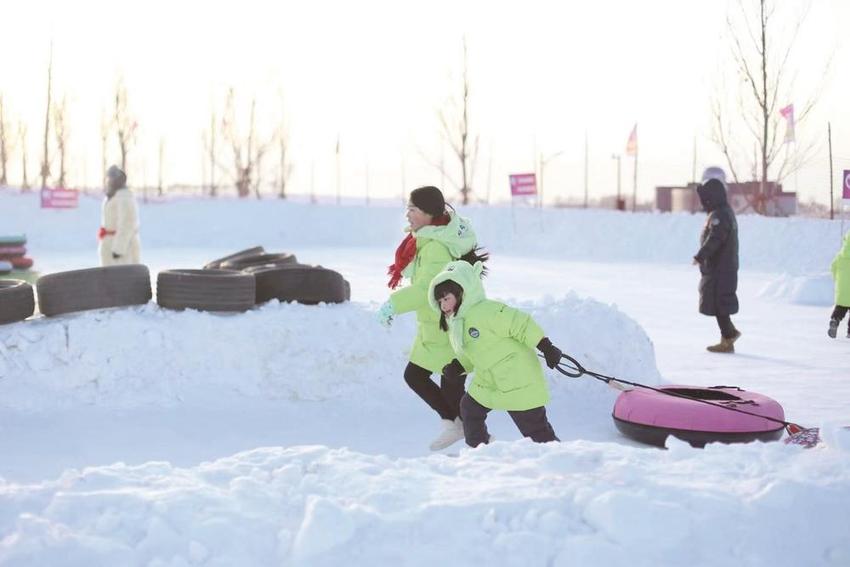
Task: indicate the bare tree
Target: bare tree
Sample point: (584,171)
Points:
(22,136)
(210,146)
(45,159)
(125,124)
(159,189)
(6,144)
(456,132)
(248,152)
(283,144)
(60,127)
(105,126)
(761,45)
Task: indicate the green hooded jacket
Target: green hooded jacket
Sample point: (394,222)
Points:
(494,341)
(841,274)
(436,246)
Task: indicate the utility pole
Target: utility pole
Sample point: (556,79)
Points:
(831,176)
(619,205)
(586,154)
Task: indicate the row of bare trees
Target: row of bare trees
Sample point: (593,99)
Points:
(761,42)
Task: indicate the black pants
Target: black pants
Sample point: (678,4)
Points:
(443,399)
(838,314)
(531,423)
(727,329)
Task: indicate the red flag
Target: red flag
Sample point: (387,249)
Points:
(632,145)
(788,114)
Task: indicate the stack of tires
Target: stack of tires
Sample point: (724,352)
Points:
(14,263)
(280,276)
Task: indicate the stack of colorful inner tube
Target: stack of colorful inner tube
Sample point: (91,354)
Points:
(14,263)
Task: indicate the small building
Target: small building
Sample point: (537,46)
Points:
(742,197)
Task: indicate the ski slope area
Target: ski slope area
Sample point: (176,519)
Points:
(286,435)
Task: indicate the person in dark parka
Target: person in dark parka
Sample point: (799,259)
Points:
(718,259)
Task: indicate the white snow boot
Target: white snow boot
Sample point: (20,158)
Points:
(452,433)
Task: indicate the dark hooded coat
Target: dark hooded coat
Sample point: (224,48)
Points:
(718,253)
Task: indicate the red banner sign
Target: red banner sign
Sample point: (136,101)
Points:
(59,198)
(523,184)
(846,193)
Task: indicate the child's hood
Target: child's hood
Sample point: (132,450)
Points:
(845,248)
(457,236)
(467,276)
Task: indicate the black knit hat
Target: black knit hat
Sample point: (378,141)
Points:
(429,200)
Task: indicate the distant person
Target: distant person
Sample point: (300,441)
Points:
(436,236)
(119,228)
(841,274)
(498,344)
(718,259)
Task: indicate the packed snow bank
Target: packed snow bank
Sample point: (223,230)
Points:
(575,503)
(801,290)
(147,356)
(767,244)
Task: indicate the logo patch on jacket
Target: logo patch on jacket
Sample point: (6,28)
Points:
(715,221)
(473,332)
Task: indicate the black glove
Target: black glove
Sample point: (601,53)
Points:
(551,353)
(454,370)
(115,255)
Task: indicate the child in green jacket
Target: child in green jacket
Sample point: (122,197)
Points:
(497,343)
(841,274)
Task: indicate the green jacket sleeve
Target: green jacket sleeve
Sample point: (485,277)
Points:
(434,257)
(513,323)
(834,267)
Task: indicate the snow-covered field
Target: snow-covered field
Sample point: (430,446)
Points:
(286,435)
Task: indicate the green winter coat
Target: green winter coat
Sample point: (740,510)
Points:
(436,246)
(494,341)
(841,274)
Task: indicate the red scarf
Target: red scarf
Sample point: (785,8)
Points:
(406,252)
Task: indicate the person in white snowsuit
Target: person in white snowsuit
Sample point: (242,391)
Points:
(118,237)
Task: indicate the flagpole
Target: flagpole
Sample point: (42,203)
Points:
(338,196)
(831,176)
(634,190)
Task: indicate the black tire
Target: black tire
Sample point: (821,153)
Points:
(259,260)
(205,290)
(17,301)
(93,288)
(304,284)
(215,264)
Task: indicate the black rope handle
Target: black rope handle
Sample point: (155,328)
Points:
(573,369)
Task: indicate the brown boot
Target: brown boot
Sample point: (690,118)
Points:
(725,346)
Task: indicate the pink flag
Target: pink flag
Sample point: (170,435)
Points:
(788,114)
(631,145)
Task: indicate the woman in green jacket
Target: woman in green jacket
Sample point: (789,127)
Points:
(498,343)
(436,236)
(841,274)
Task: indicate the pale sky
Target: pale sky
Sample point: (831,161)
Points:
(542,74)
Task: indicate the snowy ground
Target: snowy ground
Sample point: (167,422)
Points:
(287,436)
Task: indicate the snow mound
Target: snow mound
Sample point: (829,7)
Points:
(576,503)
(147,356)
(801,290)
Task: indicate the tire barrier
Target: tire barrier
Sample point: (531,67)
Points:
(303,284)
(93,288)
(259,260)
(215,264)
(17,301)
(205,290)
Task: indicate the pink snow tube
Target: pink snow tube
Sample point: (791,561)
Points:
(649,417)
